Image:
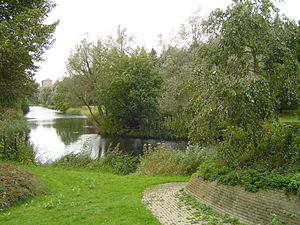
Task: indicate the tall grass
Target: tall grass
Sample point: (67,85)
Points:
(13,136)
(115,161)
(161,160)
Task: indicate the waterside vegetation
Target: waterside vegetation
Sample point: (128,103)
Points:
(224,88)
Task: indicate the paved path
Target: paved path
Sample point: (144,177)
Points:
(161,201)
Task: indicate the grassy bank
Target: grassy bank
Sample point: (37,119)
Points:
(84,111)
(81,196)
(290,116)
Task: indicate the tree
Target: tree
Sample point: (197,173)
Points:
(63,97)
(81,69)
(248,65)
(190,32)
(120,81)
(45,95)
(128,91)
(176,66)
(23,39)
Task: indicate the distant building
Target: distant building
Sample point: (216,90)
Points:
(46,83)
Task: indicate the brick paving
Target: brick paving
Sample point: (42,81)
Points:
(163,204)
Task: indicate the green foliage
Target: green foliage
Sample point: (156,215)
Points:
(202,213)
(123,84)
(160,160)
(252,180)
(45,95)
(294,184)
(273,146)
(176,126)
(17,185)
(210,171)
(115,161)
(249,64)
(118,164)
(128,92)
(63,97)
(24,37)
(290,116)
(276,221)
(11,122)
(175,65)
(73,111)
(13,136)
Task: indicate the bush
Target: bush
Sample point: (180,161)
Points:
(272,146)
(17,185)
(115,162)
(294,184)
(73,161)
(253,180)
(13,136)
(160,160)
(211,171)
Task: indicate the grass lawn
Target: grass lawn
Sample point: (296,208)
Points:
(78,196)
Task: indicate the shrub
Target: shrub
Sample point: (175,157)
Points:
(121,164)
(17,185)
(273,146)
(211,171)
(73,160)
(294,184)
(160,160)
(13,136)
(115,161)
(253,180)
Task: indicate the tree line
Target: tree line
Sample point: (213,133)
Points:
(222,82)
(23,39)
(239,66)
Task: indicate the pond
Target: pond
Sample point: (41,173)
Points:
(55,134)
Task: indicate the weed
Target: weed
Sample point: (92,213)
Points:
(160,160)
(204,213)
(17,185)
(276,221)
(115,162)
(253,180)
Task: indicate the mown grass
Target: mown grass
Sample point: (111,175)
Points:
(81,196)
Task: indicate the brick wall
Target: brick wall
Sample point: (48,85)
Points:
(249,208)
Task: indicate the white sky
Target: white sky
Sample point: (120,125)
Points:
(145,19)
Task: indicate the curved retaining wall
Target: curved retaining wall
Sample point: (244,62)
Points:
(249,208)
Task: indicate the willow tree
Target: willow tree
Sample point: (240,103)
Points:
(23,39)
(247,66)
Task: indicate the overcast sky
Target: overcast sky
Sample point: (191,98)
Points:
(145,19)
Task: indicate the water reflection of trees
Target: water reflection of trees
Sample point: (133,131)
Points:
(69,130)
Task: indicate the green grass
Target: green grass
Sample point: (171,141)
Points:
(84,111)
(79,196)
(290,116)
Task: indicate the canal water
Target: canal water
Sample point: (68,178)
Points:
(55,134)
